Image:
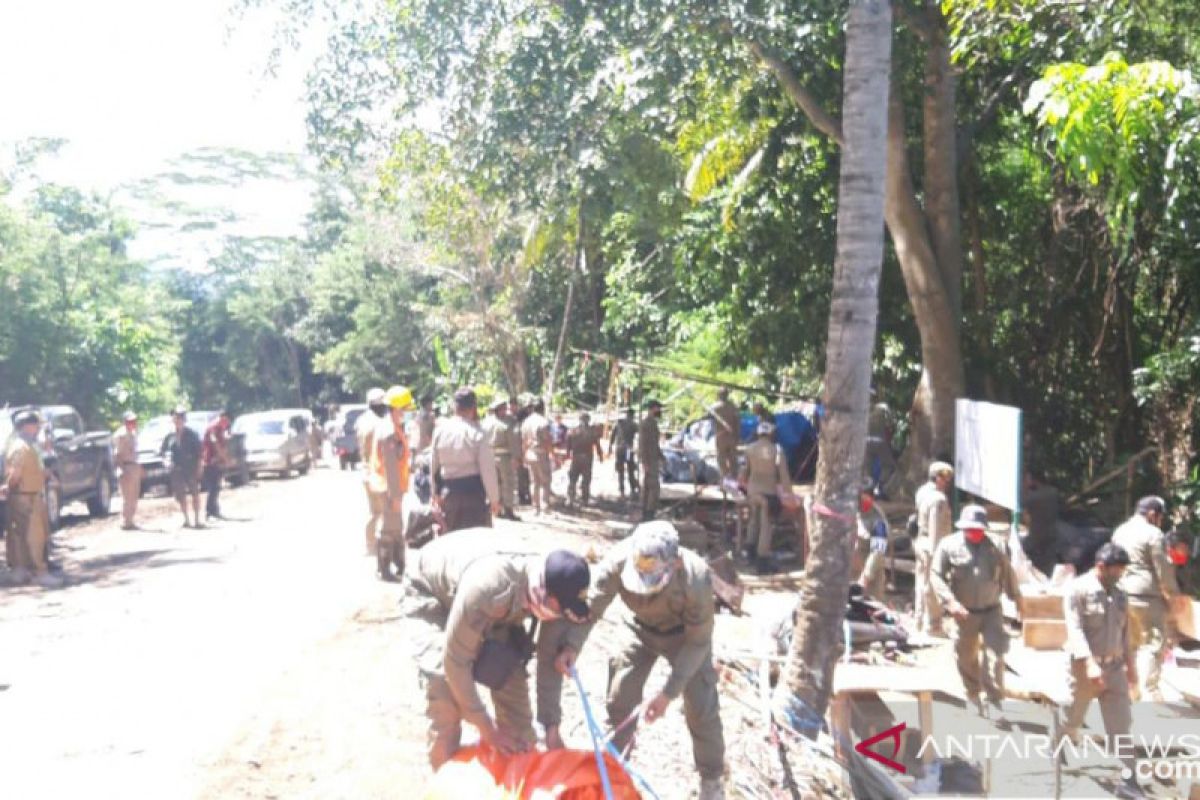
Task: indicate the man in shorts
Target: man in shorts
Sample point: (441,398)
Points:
(182,450)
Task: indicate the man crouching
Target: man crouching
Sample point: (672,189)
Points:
(476,602)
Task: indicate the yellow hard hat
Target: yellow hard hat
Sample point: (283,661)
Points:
(398,397)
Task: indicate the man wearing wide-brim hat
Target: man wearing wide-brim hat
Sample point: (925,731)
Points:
(668,613)
(969,573)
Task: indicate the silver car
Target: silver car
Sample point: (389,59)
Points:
(276,441)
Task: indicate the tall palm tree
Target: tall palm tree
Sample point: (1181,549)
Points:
(803,695)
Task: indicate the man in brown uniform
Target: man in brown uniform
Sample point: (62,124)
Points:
(388,469)
(668,613)
(364,433)
(651,455)
(129,471)
(728,424)
(582,441)
(622,440)
(426,423)
(969,573)
(1150,584)
(501,432)
(1103,664)
(471,599)
(463,468)
(934,523)
(538,446)
(28,523)
(764,473)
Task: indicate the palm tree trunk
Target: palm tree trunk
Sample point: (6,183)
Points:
(802,696)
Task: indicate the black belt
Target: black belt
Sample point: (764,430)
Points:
(986,610)
(678,629)
(469,483)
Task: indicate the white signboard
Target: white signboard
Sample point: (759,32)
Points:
(987,451)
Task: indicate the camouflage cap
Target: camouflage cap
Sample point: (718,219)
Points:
(653,553)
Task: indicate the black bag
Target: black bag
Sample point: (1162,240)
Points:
(499,658)
(912,527)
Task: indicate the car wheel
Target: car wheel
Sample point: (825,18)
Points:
(100,503)
(53,507)
(305,467)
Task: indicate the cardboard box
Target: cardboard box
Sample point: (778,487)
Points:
(1044,634)
(1041,606)
(1186,613)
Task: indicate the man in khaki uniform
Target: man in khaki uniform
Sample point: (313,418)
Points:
(388,473)
(668,613)
(364,433)
(465,592)
(728,423)
(934,523)
(622,439)
(1149,583)
(28,523)
(873,536)
(1103,664)
(501,432)
(764,474)
(537,446)
(969,574)
(129,471)
(463,468)
(651,456)
(426,423)
(582,441)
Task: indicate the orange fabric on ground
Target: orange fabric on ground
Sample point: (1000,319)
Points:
(476,773)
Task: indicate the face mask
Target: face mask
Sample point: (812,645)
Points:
(379,411)
(1178,556)
(865,505)
(973,536)
(29,437)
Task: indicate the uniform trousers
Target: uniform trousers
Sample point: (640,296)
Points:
(626,466)
(1151,630)
(1115,706)
(581,471)
(637,650)
(511,701)
(465,507)
(761,528)
(981,635)
(506,477)
(131,491)
(727,458)
(26,532)
(376,503)
(650,489)
(926,607)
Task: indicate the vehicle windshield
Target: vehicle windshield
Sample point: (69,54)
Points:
(6,427)
(157,428)
(260,427)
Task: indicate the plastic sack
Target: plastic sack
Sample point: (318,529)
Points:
(477,773)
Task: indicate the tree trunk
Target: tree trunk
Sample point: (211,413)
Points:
(803,694)
(577,268)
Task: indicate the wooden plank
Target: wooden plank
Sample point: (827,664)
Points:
(850,678)
(1186,613)
(1041,606)
(1044,634)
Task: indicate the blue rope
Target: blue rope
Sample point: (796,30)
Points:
(594,730)
(642,783)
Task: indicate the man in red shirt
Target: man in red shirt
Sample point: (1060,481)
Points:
(214,455)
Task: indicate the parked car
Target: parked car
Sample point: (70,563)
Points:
(79,464)
(276,441)
(150,440)
(344,442)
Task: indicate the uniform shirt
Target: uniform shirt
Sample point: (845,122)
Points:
(933,514)
(623,434)
(974,575)
(389,460)
(1097,621)
(1149,573)
(426,423)
(685,602)
(583,441)
(535,437)
(184,448)
(125,448)
(26,471)
(766,468)
(502,435)
(728,423)
(461,450)
(649,449)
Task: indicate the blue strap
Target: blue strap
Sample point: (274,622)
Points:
(594,730)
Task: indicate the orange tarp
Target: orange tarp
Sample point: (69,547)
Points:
(476,773)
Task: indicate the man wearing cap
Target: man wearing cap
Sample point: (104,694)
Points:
(28,522)
(934,523)
(1150,584)
(624,433)
(501,433)
(764,475)
(129,471)
(969,574)
(472,601)
(873,537)
(538,446)
(388,471)
(181,448)
(728,422)
(364,433)
(1103,663)
(463,468)
(651,455)
(582,441)
(668,613)
(214,458)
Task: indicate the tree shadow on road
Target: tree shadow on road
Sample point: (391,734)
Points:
(119,569)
